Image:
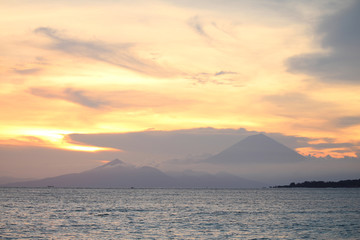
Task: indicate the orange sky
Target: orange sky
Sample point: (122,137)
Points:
(122,66)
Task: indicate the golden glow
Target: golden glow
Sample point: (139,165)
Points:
(332,152)
(87,148)
(159,66)
(52,139)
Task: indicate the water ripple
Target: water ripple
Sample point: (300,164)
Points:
(179,214)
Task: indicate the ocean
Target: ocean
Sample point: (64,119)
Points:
(60,213)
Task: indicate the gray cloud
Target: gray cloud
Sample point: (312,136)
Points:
(197,25)
(79,97)
(190,141)
(75,96)
(340,35)
(347,121)
(193,142)
(121,55)
(292,142)
(224,73)
(27,71)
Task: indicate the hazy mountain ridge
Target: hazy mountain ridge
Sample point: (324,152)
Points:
(116,174)
(7,179)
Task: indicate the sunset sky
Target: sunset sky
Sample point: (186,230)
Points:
(290,68)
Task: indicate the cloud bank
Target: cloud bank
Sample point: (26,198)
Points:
(195,141)
(27,71)
(340,37)
(347,121)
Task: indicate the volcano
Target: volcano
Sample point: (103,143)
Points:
(257,149)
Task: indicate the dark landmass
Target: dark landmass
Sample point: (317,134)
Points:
(321,184)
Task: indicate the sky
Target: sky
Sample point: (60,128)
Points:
(84,82)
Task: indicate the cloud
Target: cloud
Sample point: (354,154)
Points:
(191,142)
(70,95)
(115,99)
(224,73)
(340,36)
(347,121)
(188,141)
(219,78)
(121,55)
(321,146)
(293,104)
(79,97)
(190,145)
(197,25)
(27,71)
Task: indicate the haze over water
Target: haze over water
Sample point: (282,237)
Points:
(56,213)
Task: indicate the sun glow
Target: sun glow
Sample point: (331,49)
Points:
(52,139)
(73,147)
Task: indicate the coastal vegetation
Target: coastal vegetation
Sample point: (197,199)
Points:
(321,184)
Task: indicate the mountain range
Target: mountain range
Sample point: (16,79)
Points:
(117,174)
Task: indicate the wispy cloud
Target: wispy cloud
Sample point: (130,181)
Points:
(224,73)
(121,55)
(112,100)
(75,96)
(196,24)
(219,78)
(340,36)
(347,121)
(27,71)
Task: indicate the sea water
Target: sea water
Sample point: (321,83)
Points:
(56,213)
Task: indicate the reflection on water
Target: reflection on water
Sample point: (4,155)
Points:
(53,213)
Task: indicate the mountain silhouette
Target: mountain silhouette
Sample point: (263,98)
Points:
(256,149)
(111,175)
(117,174)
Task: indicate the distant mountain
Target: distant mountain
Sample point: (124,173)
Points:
(256,149)
(111,175)
(117,174)
(6,180)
